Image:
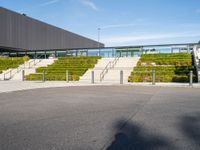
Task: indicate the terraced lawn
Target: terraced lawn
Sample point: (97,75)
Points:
(168,67)
(11,62)
(76,67)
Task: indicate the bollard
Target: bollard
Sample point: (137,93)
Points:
(92,77)
(23,74)
(10,74)
(67,78)
(153,77)
(43,76)
(191,78)
(121,77)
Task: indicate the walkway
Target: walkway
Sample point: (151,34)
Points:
(10,86)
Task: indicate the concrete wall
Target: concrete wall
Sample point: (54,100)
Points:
(22,32)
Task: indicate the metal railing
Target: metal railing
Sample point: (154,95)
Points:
(33,63)
(110,65)
(11,73)
(197,61)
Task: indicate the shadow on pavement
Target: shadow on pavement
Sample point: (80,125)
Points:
(130,136)
(190,127)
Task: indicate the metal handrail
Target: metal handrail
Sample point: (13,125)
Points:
(115,61)
(105,70)
(110,65)
(12,72)
(196,59)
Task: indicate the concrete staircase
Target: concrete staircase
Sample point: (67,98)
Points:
(101,64)
(196,53)
(126,64)
(29,67)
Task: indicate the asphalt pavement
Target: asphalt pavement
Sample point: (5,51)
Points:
(101,118)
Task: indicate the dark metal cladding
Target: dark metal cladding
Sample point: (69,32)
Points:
(17,31)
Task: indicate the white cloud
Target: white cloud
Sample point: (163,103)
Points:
(50,2)
(123,40)
(90,4)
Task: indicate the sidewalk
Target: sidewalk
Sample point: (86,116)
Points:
(9,86)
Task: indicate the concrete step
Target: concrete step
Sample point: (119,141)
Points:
(29,69)
(113,75)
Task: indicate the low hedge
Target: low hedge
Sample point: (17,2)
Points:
(53,77)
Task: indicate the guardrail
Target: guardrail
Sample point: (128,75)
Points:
(10,73)
(196,55)
(110,65)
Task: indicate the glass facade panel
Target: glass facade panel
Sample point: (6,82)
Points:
(93,52)
(103,52)
(106,52)
(61,53)
(82,53)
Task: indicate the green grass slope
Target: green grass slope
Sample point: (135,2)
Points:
(169,68)
(76,67)
(11,62)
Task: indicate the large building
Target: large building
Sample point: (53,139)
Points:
(19,32)
(21,35)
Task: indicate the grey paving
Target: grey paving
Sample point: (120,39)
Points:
(100,117)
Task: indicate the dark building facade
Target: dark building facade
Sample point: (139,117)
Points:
(20,32)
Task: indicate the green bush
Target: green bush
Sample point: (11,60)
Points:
(76,67)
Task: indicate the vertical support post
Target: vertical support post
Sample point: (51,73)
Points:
(10,74)
(55,54)
(35,55)
(121,76)
(87,52)
(153,77)
(45,54)
(188,48)
(23,75)
(43,76)
(191,78)
(67,77)
(92,77)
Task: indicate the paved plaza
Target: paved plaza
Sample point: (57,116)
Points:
(10,86)
(101,118)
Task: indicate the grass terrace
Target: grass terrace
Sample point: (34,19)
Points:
(11,62)
(168,67)
(76,67)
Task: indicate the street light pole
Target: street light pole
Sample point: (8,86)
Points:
(99,29)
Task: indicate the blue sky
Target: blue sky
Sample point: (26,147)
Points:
(122,22)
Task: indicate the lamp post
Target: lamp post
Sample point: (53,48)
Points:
(99,29)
